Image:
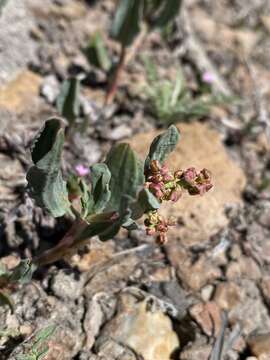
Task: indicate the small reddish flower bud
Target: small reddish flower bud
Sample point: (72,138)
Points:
(190,175)
(178,174)
(162,227)
(156,189)
(196,183)
(156,178)
(154,166)
(175,194)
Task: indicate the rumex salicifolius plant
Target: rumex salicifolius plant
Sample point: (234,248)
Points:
(133,17)
(122,189)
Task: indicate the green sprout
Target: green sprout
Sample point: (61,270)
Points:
(132,17)
(38,345)
(171,101)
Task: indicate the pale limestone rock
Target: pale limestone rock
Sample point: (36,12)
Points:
(17,48)
(148,333)
(196,352)
(208,316)
(228,296)
(21,93)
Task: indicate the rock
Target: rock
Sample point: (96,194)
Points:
(228,295)
(70,11)
(11,176)
(146,331)
(99,252)
(10,261)
(120,132)
(264,217)
(87,148)
(196,352)
(66,287)
(265,287)
(17,48)
(50,88)
(244,305)
(215,32)
(208,316)
(38,310)
(266,22)
(175,300)
(207,292)
(244,267)
(194,274)
(111,275)
(21,93)
(235,252)
(113,350)
(255,240)
(92,322)
(260,345)
(200,146)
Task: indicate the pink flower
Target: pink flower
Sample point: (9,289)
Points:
(208,77)
(81,170)
(156,189)
(196,182)
(175,194)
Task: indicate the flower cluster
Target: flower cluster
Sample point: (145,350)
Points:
(162,183)
(157,225)
(168,186)
(196,183)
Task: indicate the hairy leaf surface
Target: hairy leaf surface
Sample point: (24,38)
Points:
(45,180)
(162,146)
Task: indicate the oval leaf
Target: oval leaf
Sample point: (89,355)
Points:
(126,174)
(68,101)
(45,180)
(126,23)
(162,146)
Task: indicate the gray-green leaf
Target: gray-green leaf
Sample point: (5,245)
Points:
(97,54)
(45,180)
(68,100)
(23,272)
(162,146)
(127,21)
(166,12)
(43,335)
(100,178)
(127,175)
(106,225)
(146,202)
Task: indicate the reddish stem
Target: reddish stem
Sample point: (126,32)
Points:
(116,76)
(63,247)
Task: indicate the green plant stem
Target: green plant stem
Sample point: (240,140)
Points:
(63,247)
(116,76)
